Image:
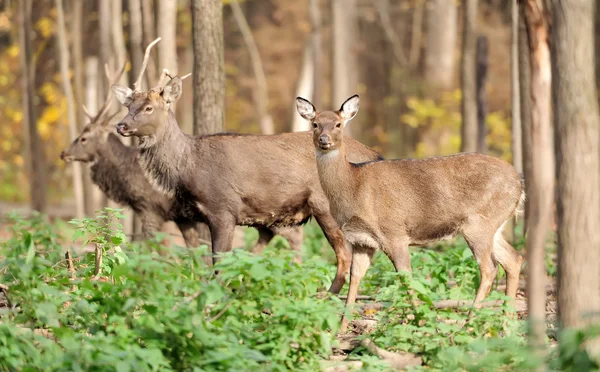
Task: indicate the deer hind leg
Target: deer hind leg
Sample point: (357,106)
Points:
(294,236)
(361,260)
(510,260)
(481,241)
(264,237)
(399,255)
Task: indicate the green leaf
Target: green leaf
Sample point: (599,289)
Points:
(30,248)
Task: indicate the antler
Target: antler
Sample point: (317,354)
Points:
(112,79)
(138,83)
(165,73)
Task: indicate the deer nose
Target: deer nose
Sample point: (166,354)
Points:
(122,127)
(323,139)
(62,155)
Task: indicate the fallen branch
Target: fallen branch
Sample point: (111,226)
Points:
(395,360)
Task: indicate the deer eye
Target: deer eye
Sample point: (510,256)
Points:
(83,140)
(315,125)
(338,125)
(149,108)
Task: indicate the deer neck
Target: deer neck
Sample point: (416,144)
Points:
(164,156)
(337,181)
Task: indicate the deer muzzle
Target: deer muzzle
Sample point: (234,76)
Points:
(125,130)
(325,141)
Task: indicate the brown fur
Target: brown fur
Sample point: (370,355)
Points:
(247,180)
(115,169)
(391,204)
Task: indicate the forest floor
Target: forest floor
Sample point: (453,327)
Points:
(424,320)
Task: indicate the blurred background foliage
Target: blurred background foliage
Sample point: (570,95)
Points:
(400,116)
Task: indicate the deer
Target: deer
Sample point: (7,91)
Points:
(389,205)
(115,169)
(233,179)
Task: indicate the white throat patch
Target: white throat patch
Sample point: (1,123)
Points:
(327,156)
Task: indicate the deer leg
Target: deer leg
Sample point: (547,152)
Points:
(399,255)
(361,260)
(481,243)
(189,233)
(151,223)
(510,260)
(264,237)
(294,236)
(342,251)
(221,233)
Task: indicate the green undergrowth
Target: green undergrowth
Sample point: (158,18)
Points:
(147,311)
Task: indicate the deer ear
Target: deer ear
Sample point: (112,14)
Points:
(305,108)
(349,108)
(172,91)
(123,94)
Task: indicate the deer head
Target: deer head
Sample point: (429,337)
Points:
(92,139)
(328,126)
(148,111)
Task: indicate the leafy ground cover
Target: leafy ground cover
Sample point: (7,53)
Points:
(157,309)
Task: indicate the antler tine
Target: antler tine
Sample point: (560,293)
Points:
(112,79)
(186,76)
(87,112)
(138,83)
(159,83)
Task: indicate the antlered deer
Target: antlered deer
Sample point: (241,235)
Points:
(252,180)
(116,171)
(391,204)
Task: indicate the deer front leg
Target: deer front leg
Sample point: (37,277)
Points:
(361,260)
(343,256)
(221,232)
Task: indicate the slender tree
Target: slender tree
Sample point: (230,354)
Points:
(441,44)
(314,11)
(261,93)
(468,81)
(149,35)
(541,188)
(209,72)
(304,88)
(345,75)
(480,82)
(34,152)
(575,105)
(64,70)
(166,29)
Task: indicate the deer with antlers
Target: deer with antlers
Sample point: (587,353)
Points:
(115,169)
(233,179)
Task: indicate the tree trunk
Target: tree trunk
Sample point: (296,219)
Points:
(345,76)
(515,95)
(525,104)
(516,139)
(542,160)
(209,73)
(416,35)
(104,14)
(64,70)
(441,44)
(578,162)
(77,34)
(481,80)
(261,93)
(149,33)
(305,88)
(136,38)
(469,88)
(36,163)
(317,55)
(166,29)
(92,87)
